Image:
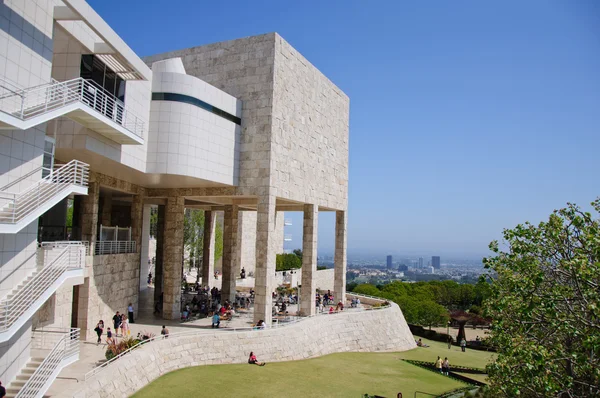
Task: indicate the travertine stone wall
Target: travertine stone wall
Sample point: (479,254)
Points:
(173,257)
(360,331)
(340,256)
(309,259)
(56,311)
(230,266)
(246,246)
(208,252)
(294,137)
(265,258)
(112,284)
(309,137)
(242,68)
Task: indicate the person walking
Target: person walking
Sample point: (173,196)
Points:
(117,323)
(445,366)
(109,336)
(438,365)
(463,344)
(99,330)
(130,312)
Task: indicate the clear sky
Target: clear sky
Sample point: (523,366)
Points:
(466,117)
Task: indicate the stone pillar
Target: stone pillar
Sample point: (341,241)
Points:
(106,210)
(137,220)
(160,244)
(144,247)
(173,257)
(89,214)
(208,249)
(265,258)
(309,259)
(230,266)
(339,284)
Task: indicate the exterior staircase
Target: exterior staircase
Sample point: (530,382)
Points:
(62,261)
(54,350)
(80,99)
(17,210)
(16,385)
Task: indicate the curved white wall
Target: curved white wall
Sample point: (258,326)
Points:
(187,140)
(359,331)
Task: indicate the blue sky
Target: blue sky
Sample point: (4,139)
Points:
(466,117)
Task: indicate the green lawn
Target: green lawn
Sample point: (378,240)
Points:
(470,358)
(335,375)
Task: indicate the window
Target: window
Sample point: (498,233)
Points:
(92,68)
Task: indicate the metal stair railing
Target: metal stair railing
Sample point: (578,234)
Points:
(38,383)
(30,102)
(18,206)
(70,256)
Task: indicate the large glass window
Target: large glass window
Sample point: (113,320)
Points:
(93,68)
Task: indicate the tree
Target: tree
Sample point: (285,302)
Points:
(298,252)
(432,314)
(287,261)
(69,220)
(545,307)
(193,235)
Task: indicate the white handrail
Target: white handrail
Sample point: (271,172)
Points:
(24,203)
(114,247)
(98,368)
(67,347)
(34,101)
(68,257)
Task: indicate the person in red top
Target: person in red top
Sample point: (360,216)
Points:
(253,361)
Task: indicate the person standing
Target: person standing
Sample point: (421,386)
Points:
(117,322)
(130,312)
(438,365)
(463,344)
(445,366)
(124,326)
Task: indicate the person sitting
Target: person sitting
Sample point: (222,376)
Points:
(261,325)
(222,310)
(216,320)
(243,273)
(253,361)
(353,303)
(164,332)
(283,307)
(340,306)
(330,310)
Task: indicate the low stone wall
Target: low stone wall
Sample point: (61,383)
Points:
(349,331)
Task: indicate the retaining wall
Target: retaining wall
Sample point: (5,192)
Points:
(349,331)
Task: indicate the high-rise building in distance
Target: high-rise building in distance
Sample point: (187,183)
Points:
(435,262)
(420,262)
(389,262)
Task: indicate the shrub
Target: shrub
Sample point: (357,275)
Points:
(116,348)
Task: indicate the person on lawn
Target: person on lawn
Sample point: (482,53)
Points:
(253,361)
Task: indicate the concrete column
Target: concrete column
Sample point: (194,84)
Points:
(160,244)
(230,266)
(265,258)
(89,214)
(208,250)
(173,257)
(144,247)
(339,284)
(106,210)
(309,259)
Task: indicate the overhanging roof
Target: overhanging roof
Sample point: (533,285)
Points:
(112,49)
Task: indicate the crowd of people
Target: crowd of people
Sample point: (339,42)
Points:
(121,324)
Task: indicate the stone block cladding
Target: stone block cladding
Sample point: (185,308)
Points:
(112,283)
(365,331)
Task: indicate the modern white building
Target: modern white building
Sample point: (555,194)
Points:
(87,128)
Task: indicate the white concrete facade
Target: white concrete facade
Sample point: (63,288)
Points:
(246,127)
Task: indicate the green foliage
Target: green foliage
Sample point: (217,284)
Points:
(287,261)
(545,307)
(69,213)
(321,267)
(350,286)
(218,241)
(367,289)
(115,348)
(193,233)
(298,252)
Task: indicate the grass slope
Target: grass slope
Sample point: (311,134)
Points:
(470,358)
(335,375)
